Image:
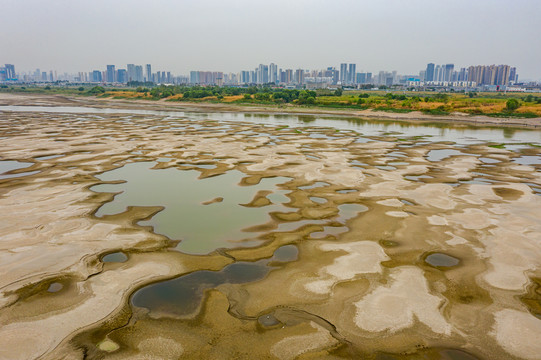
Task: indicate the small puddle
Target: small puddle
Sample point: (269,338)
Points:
(489,160)
(438,155)
(318,200)
(115,257)
(55,287)
(528,160)
(441,260)
(313,186)
(8,165)
(182,296)
(346,191)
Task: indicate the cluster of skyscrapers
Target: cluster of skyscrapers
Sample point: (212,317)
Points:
(7,73)
(499,75)
(346,76)
(131,73)
(273,75)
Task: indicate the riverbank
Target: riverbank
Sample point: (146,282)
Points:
(22,99)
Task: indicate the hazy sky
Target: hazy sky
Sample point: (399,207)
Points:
(232,35)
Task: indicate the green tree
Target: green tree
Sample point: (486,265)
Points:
(338,92)
(81,88)
(512,104)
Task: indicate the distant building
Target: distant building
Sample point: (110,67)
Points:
(429,72)
(10,72)
(448,72)
(299,76)
(343,73)
(110,77)
(351,74)
(262,74)
(122,76)
(273,73)
(139,73)
(244,77)
(490,74)
(149,73)
(131,72)
(289,76)
(2,74)
(96,76)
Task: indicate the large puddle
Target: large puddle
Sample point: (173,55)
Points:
(182,296)
(190,214)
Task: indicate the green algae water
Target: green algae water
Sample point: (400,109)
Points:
(201,228)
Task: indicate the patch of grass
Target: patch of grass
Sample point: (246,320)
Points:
(393,110)
(497,146)
(435,112)
(525,115)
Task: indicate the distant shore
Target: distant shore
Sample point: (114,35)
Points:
(414,116)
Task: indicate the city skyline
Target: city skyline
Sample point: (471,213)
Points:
(212,35)
(487,77)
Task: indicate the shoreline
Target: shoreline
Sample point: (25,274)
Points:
(411,117)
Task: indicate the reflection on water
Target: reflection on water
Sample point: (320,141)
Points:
(437,155)
(8,165)
(182,296)
(433,131)
(202,228)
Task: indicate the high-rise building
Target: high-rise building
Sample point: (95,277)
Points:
(429,72)
(343,73)
(149,73)
(448,72)
(513,75)
(351,74)
(262,74)
(490,75)
(273,73)
(139,73)
(2,73)
(122,76)
(360,78)
(96,76)
(289,76)
(194,77)
(131,72)
(10,72)
(110,77)
(299,76)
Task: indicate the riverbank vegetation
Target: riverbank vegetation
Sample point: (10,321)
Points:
(433,103)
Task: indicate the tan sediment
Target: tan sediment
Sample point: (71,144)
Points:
(49,234)
(397,306)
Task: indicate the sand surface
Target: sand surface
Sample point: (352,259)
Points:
(357,284)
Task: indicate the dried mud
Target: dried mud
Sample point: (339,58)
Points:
(378,250)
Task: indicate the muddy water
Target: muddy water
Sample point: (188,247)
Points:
(182,296)
(294,240)
(201,227)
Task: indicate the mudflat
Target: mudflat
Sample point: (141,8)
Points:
(154,231)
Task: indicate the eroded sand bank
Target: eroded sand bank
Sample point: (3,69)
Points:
(358,284)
